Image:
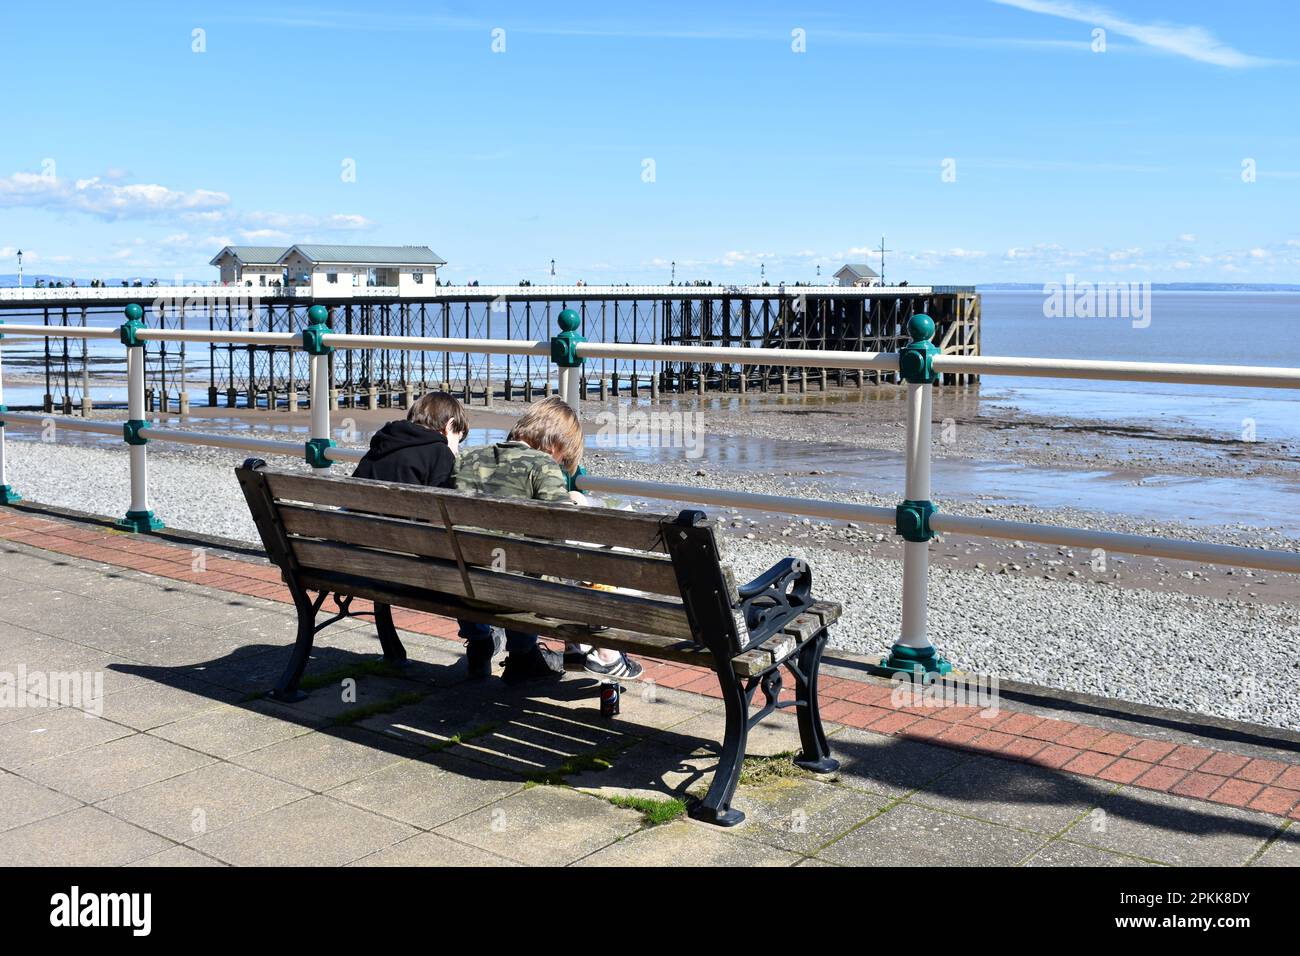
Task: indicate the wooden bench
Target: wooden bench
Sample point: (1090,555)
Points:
(481,559)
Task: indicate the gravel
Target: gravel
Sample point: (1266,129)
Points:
(1228,658)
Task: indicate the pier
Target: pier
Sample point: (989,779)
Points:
(269,375)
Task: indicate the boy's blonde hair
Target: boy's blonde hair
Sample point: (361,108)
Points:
(553,427)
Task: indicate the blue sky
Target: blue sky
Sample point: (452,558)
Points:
(987,140)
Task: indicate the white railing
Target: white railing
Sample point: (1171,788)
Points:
(427,290)
(914,647)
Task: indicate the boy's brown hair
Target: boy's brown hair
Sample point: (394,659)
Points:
(437,410)
(553,427)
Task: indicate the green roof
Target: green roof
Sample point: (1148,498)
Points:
(369,255)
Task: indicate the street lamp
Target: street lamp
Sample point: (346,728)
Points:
(552,267)
(20,268)
(762,271)
(674,279)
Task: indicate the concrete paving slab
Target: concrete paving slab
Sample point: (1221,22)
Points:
(889,765)
(1067,854)
(202,801)
(321,761)
(177,856)
(651,769)
(83,837)
(432,849)
(430,792)
(803,814)
(544,826)
(22,801)
(1175,830)
(1017,795)
(910,835)
(105,770)
(1284,851)
(688,843)
(144,704)
(51,733)
(227,731)
(774,734)
(317,831)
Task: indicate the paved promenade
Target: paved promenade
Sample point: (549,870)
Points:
(176,757)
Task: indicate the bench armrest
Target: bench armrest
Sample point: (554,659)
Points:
(775,597)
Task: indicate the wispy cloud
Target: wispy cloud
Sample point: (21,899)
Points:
(1193,42)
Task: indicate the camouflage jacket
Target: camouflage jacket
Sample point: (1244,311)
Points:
(510,469)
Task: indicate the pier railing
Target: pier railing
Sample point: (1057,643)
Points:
(915,519)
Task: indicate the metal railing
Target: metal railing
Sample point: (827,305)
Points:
(915,519)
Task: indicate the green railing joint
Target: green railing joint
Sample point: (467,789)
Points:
(914,662)
(3,408)
(133,324)
(8,496)
(316,452)
(912,520)
(312,341)
(564,346)
(916,360)
(139,522)
(131,431)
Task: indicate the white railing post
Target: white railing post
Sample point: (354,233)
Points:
(914,654)
(317,447)
(7,494)
(138,517)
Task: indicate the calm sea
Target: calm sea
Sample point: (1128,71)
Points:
(1231,328)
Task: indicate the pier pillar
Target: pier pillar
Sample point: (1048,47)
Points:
(507,390)
(528,390)
(613,384)
(334,399)
(785,380)
(87,406)
(654,388)
(183,403)
(744,384)
(604,389)
(212,396)
(232,398)
(633,385)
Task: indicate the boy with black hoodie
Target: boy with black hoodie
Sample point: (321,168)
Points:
(420,450)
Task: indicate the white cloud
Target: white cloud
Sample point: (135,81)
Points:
(1187,237)
(1193,42)
(105,200)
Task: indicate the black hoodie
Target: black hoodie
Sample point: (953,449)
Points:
(409,453)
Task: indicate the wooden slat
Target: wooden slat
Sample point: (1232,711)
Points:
(537,519)
(652,573)
(614,638)
(497,588)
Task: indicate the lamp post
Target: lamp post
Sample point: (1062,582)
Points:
(20,268)
(674,278)
(552,267)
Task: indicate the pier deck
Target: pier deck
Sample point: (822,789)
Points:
(188,764)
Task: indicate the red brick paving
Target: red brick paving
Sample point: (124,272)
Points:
(1268,786)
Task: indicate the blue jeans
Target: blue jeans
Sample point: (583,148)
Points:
(517,642)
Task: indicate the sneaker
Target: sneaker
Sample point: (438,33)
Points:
(624,666)
(479,654)
(539,664)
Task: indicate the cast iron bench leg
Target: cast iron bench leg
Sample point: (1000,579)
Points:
(816,755)
(716,805)
(394,652)
(287,687)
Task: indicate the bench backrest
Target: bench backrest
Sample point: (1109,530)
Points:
(491,552)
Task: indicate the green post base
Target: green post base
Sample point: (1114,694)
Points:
(8,496)
(914,660)
(139,521)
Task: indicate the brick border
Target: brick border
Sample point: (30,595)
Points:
(1216,776)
